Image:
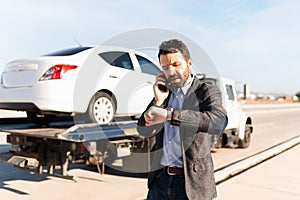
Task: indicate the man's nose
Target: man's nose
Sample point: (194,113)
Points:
(171,70)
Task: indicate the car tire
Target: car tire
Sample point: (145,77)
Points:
(247,137)
(101,109)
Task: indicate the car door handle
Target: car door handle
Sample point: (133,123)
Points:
(113,76)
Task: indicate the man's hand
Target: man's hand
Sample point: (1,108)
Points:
(155,115)
(160,95)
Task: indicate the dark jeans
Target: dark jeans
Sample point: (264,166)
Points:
(166,187)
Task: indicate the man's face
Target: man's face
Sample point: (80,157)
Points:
(175,68)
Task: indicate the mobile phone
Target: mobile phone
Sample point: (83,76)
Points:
(164,88)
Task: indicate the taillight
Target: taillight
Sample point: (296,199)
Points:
(57,72)
(82,147)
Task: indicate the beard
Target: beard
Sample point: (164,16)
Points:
(179,80)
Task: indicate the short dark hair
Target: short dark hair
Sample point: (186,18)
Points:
(174,46)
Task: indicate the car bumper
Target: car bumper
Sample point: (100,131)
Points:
(41,97)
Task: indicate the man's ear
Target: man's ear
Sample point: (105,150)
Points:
(190,63)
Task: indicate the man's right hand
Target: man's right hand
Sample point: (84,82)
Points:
(160,95)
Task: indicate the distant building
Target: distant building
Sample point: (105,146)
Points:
(288,98)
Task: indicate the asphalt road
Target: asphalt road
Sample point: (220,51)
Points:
(272,126)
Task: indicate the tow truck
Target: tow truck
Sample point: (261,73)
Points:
(239,129)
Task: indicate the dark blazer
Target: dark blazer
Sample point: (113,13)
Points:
(202,114)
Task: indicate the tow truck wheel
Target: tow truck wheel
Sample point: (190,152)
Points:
(247,137)
(101,109)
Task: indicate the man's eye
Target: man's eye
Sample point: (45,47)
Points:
(164,67)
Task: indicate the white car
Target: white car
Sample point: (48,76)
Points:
(100,82)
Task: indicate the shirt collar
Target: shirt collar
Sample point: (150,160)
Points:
(187,87)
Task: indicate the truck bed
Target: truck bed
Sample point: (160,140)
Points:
(81,132)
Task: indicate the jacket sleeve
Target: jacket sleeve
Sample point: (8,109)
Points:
(207,116)
(149,131)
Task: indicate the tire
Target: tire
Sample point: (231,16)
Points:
(101,109)
(39,119)
(247,137)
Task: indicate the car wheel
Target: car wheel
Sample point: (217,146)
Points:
(246,141)
(101,109)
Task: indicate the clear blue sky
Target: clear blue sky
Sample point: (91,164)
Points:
(251,41)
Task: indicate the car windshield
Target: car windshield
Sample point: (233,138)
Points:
(68,52)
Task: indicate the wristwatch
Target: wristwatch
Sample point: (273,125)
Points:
(169,114)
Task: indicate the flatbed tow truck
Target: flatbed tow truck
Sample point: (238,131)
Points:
(57,147)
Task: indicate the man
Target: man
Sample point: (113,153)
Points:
(183,112)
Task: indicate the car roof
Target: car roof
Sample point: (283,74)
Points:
(69,51)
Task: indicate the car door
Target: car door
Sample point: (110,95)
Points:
(146,71)
(233,108)
(118,78)
(130,78)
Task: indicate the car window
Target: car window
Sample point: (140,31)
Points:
(229,91)
(117,59)
(147,66)
(68,52)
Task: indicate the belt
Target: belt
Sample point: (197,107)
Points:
(172,171)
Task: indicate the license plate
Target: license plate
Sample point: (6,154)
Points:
(92,148)
(123,151)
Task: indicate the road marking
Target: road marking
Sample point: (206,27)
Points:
(228,171)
